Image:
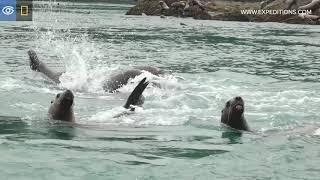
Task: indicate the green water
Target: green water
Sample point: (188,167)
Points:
(274,67)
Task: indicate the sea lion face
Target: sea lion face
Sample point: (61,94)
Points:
(233,114)
(62,107)
(65,100)
(236,106)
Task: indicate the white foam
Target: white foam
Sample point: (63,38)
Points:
(317,132)
(10,84)
(113,116)
(29,106)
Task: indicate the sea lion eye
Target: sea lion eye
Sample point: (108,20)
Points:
(51,101)
(58,95)
(228,104)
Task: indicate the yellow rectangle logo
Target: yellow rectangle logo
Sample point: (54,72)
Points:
(24,10)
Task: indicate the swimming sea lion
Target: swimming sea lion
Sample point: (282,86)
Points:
(232,114)
(112,84)
(61,107)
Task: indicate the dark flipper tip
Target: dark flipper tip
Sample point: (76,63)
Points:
(34,61)
(135,96)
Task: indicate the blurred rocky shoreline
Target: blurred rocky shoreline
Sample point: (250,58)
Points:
(283,11)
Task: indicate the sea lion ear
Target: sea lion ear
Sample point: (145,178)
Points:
(51,101)
(58,95)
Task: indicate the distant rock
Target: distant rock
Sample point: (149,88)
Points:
(154,8)
(231,10)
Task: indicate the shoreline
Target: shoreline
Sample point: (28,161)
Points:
(234,11)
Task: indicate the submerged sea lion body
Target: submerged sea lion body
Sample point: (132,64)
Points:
(232,114)
(113,83)
(61,107)
(117,81)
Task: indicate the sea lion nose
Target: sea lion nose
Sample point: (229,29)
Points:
(68,94)
(239,107)
(238,98)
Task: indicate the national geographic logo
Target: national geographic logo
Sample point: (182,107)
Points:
(24,10)
(16,10)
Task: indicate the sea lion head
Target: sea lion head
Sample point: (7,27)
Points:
(62,107)
(236,106)
(64,100)
(233,114)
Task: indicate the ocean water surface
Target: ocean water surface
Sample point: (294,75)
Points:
(177,134)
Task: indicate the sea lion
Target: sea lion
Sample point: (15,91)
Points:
(110,85)
(232,114)
(61,107)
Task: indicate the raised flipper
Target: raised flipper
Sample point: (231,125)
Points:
(34,60)
(39,66)
(136,97)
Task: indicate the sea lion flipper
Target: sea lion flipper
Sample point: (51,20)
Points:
(34,61)
(39,66)
(135,96)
